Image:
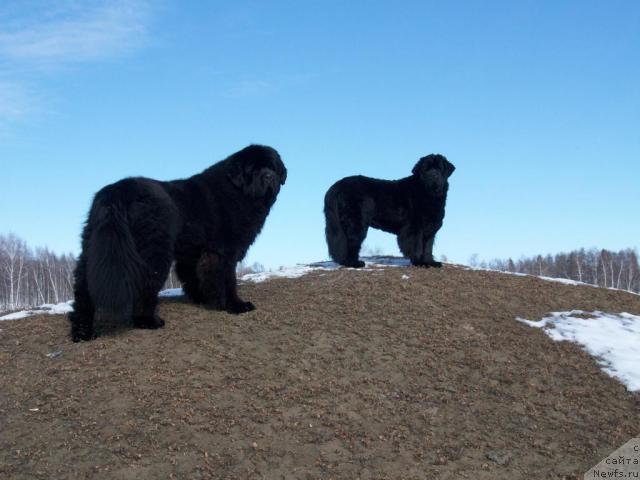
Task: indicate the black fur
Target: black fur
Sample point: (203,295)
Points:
(412,208)
(138,226)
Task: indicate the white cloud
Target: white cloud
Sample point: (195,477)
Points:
(74,33)
(39,37)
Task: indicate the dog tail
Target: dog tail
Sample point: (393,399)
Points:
(336,236)
(114,267)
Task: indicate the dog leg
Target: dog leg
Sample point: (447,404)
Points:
(355,233)
(187,273)
(211,280)
(427,254)
(144,309)
(352,260)
(218,284)
(82,316)
(157,259)
(234,303)
(408,245)
(418,247)
(344,240)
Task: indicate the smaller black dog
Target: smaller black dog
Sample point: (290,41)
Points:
(412,208)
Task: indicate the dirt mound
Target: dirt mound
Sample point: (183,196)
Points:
(339,374)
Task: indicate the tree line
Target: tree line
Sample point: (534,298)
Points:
(603,268)
(31,277)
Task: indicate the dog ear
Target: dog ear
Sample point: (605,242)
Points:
(420,165)
(448,167)
(283,176)
(235,174)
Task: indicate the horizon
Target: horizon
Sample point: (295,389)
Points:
(536,104)
(369,253)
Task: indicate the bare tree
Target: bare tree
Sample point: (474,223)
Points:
(29,278)
(12,257)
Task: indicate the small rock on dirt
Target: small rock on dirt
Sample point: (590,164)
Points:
(501,458)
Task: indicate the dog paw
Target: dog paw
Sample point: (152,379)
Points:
(432,264)
(354,264)
(83,336)
(241,307)
(148,322)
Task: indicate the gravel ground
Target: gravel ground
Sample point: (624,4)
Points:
(343,375)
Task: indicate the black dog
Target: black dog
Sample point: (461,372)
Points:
(138,226)
(412,208)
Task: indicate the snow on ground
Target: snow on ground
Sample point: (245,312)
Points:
(613,339)
(171,292)
(371,263)
(47,308)
(566,281)
(296,271)
(283,272)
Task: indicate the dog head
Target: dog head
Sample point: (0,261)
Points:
(257,170)
(434,171)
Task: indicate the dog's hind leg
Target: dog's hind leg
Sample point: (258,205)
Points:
(346,230)
(344,245)
(335,236)
(355,226)
(146,302)
(210,271)
(355,237)
(337,242)
(157,258)
(186,271)
(82,316)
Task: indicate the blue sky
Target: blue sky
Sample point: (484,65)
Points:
(537,103)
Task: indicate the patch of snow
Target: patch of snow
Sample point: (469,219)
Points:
(46,309)
(171,292)
(283,272)
(382,261)
(613,339)
(565,281)
(325,265)
(371,263)
(405,277)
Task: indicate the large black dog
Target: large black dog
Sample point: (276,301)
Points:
(138,226)
(412,208)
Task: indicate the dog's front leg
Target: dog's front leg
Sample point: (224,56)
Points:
(418,247)
(427,253)
(211,281)
(234,303)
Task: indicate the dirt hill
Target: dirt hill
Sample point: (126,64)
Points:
(341,374)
